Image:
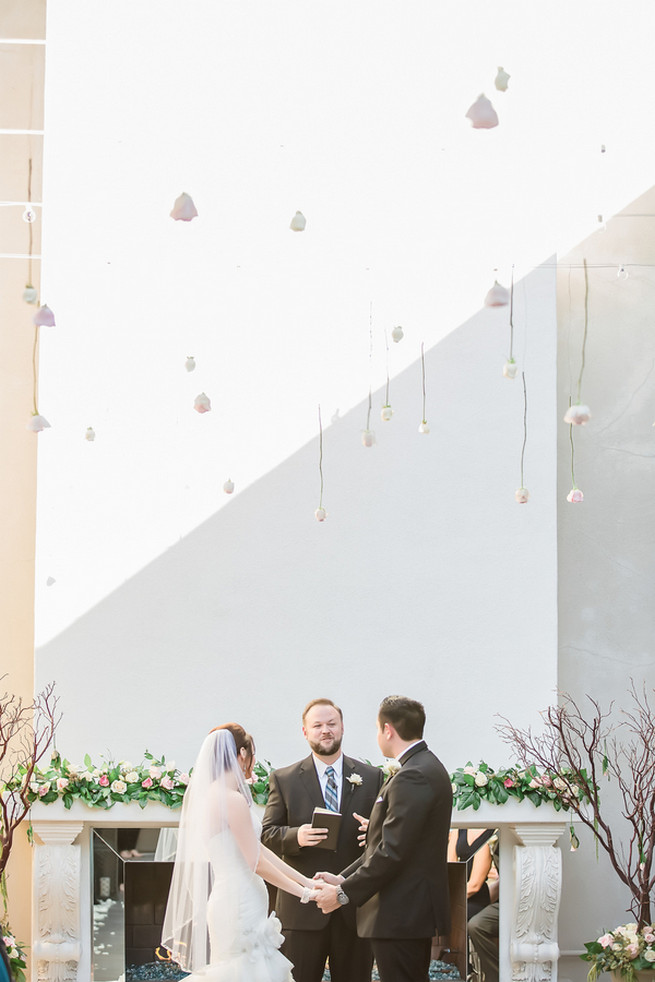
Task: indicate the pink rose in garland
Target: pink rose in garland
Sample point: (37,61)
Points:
(147,783)
(104,781)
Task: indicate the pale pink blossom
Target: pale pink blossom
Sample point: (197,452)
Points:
(605,940)
(202,403)
(498,296)
(508,782)
(522,495)
(228,487)
(184,778)
(62,782)
(103,781)
(320,514)
(155,772)
(535,783)
(575,496)
(184,209)
(368,438)
(482,114)
(147,783)
(578,415)
(167,783)
(43,790)
(44,317)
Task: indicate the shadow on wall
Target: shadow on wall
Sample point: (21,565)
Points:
(427,576)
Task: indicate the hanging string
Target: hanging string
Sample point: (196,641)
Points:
(368,414)
(573,484)
(511,318)
(423,419)
(386,392)
(525,425)
(31,233)
(586,324)
(320,454)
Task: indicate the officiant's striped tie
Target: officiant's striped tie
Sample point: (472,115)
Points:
(331,799)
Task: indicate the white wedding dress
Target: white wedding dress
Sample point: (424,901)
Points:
(244,939)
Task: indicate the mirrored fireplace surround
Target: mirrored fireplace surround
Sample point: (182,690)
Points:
(530,873)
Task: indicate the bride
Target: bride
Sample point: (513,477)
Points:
(217,922)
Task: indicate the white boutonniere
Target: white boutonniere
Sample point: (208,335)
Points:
(390,768)
(355,780)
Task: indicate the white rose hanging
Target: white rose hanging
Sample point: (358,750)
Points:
(320,514)
(190,364)
(228,487)
(90,434)
(202,403)
(386,413)
(510,368)
(575,496)
(501,79)
(368,438)
(30,294)
(184,209)
(423,427)
(298,222)
(397,334)
(522,495)
(38,423)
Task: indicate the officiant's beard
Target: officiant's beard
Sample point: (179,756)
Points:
(325,748)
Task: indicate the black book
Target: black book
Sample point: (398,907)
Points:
(323,818)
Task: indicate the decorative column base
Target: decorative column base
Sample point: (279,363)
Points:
(534,951)
(57,949)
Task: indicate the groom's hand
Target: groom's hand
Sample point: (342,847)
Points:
(326,898)
(334,878)
(309,836)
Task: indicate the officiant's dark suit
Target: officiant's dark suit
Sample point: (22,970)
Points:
(400,884)
(294,792)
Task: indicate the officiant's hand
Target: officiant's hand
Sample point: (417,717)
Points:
(309,836)
(334,878)
(326,898)
(363,829)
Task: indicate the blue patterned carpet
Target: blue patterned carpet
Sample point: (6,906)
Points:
(167,972)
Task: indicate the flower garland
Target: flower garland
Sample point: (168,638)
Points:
(15,953)
(155,779)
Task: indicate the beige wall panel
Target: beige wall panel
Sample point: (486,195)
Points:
(21,82)
(22,18)
(15,233)
(15,152)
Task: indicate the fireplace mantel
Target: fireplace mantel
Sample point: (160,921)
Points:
(530,875)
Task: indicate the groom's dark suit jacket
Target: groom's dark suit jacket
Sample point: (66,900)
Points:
(294,792)
(400,884)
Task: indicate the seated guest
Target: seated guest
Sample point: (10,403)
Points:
(483,927)
(464,844)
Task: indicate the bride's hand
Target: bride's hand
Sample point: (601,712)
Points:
(333,878)
(308,894)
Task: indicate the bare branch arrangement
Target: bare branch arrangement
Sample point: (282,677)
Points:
(26,734)
(582,748)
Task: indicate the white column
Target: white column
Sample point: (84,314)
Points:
(57,949)
(537,888)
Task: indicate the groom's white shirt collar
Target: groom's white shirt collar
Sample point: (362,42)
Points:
(408,748)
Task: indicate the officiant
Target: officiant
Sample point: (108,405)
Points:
(326,779)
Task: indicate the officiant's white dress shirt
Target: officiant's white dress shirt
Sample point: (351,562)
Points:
(321,768)
(408,748)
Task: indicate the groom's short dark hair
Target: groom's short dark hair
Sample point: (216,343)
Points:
(320,702)
(407,716)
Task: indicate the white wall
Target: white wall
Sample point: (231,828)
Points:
(606,556)
(427,578)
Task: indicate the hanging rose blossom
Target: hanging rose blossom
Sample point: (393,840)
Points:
(498,296)
(190,364)
(522,495)
(228,487)
(320,514)
(482,114)
(398,334)
(37,423)
(575,495)
(501,79)
(44,317)
(184,209)
(368,438)
(90,434)
(423,427)
(30,294)
(509,368)
(298,222)
(386,413)
(202,403)
(577,414)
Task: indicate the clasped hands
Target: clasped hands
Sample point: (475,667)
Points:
(325,891)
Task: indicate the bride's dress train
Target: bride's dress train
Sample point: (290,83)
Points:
(244,939)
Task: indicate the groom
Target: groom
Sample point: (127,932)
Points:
(325,779)
(400,884)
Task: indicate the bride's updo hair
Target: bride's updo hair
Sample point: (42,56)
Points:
(241,739)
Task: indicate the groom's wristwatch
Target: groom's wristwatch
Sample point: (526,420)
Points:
(341,896)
